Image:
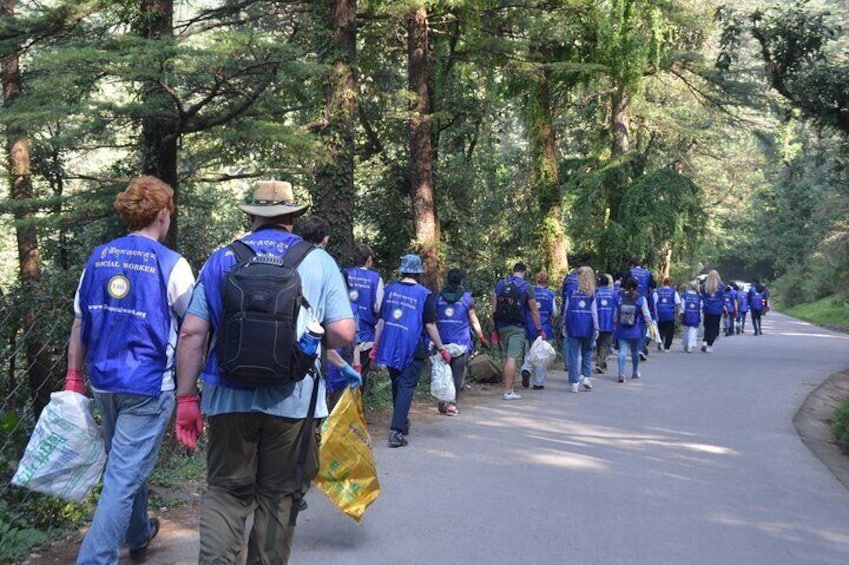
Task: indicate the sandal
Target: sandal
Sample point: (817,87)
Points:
(451,410)
(442,407)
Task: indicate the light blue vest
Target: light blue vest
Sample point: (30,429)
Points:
(403,328)
(126,317)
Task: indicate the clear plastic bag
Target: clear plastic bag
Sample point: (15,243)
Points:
(441,380)
(542,353)
(65,455)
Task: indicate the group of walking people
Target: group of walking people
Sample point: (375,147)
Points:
(154,341)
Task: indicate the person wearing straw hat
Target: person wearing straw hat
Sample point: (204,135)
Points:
(254,432)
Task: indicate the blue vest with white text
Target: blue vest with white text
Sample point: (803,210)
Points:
(692,306)
(265,240)
(579,317)
(756,300)
(666,304)
(545,304)
(605,303)
(403,327)
(362,290)
(638,330)
(712,303)
(643,277)
(452,320)
(126,317)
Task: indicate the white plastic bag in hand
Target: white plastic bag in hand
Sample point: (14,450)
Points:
(441,380)
(542,353)
(65,455)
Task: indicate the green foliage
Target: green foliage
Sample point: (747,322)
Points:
(840,426)
(833,310)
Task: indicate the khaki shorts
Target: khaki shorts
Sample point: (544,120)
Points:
(512,340)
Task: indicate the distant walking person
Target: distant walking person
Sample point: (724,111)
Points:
(606,299)
(581,323)
(668,304)
(455,319)
(691,317)
(545,305)
(131,296)
(513,301)
(742,310)
(713,295)
(759,304)
(365,289)
(632,318)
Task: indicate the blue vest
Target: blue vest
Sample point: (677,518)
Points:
(742,302)
(570,285)
(652,308)
(605,303)
(126,318)
(545,305)
(756,299)
(643,277)
(692,303)
(729,301)
(579,317)
(712,303)
(362,290)
(265,240)
(403,326)
(452,320)
(638,330)
(666,304)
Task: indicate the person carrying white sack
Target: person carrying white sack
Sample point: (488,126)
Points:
(545,304)
(455,318)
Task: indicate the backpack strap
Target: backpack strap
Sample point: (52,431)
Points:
(242,251)
(296,253)
(303,450)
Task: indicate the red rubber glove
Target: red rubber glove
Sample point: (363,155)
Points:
(493,337)
(74,381)
(359,369)
(541,334)
(445,355)
(372,354)
(483,341)
(189,421)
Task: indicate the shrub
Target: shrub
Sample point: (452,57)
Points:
(840,426)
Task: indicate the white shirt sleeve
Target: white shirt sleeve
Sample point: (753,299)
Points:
(180,286)
(78,312)
(378,296)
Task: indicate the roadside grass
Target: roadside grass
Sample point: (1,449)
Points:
(832,311)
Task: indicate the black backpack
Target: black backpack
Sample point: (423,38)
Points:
(628,312)
(508,303)
(257,341)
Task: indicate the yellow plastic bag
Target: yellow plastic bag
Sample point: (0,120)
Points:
(346,469)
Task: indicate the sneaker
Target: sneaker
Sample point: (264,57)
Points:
(303,505)
(510,395)
(599,370)
(643,356)
(709,349)
(585,382)
(659,347)
(636,375)
(621,378)
(397,439)
(538,387)
(140,552)
(526,379)
(574,387)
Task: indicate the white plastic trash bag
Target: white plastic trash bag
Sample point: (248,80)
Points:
(542,353)
(441,380)
(65,454)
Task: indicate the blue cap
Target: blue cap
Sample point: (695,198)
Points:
(411,264)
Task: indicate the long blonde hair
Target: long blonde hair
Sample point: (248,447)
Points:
(586,280)
(712,282)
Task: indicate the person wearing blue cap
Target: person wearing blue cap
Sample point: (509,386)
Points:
(407,316)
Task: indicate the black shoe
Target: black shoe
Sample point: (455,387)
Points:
(397,439)
(538,387)
(140,552)
(526,379)
(303,506)
(621,378)
(643,356)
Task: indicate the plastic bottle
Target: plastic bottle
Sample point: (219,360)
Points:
(311,338)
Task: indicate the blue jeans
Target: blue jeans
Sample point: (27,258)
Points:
(404,384)
(133,426)
(634,345)
(582,346)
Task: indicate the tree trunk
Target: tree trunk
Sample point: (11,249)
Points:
(554,241)
(421,156)
(620,122)
(29,258)
(335,195)
(160,134)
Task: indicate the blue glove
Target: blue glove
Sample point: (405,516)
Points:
(354,378)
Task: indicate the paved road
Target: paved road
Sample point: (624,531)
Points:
(698,462)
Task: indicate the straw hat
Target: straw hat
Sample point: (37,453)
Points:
(273,198)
